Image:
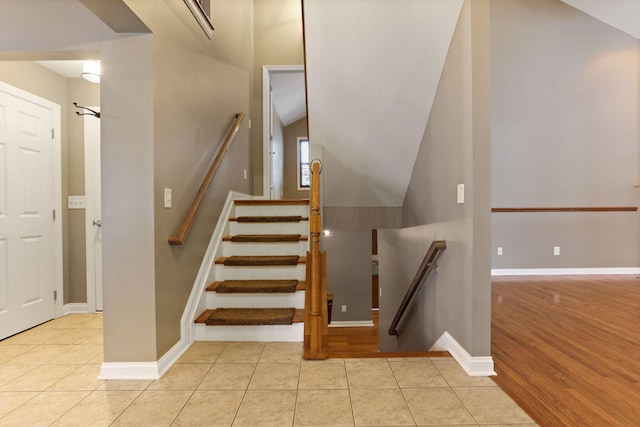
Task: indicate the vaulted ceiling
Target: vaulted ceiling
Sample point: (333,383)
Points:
(373,67)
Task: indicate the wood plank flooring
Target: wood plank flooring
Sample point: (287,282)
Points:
(363,342)
(567,348)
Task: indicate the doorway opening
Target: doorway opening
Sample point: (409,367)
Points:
(283,103)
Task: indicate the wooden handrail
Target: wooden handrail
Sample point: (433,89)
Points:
(316,328)
(570,209)
(428,264)
(190,217)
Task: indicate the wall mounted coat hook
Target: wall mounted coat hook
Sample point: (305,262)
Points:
(89,113)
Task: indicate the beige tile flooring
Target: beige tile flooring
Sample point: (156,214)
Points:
(48,377)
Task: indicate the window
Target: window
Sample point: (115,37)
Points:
(304,169)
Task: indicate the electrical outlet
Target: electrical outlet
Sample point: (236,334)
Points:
(556,250)
(344,308)
(499,250)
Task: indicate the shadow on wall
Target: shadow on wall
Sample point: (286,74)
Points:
(437,305)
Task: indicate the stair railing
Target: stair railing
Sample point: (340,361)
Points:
(427,266)
(316,328)
(190,217)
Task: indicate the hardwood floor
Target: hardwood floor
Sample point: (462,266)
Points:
(364,342)
(349,342)
(567,348)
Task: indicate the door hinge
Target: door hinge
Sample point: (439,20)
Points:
(55,295)
(54,214)
(53,133)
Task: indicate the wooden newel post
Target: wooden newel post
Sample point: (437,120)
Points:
(315,325)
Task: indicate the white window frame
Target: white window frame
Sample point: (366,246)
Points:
(299,164)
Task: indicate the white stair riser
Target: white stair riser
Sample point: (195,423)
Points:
(277,210)
(293,299)
(297,272)
(289,248)
(267,333)
(301,227)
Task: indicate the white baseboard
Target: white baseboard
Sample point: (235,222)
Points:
(562,271)
(143,370)
(473,366)
(129,371)
(350,323)
(74,308)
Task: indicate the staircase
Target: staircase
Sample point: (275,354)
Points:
(257,291)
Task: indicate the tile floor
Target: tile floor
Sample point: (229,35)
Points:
(48,377)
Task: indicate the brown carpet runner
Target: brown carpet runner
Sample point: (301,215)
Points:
(256,286)
(296,218)
(250,261)
(251,316)
(265,238)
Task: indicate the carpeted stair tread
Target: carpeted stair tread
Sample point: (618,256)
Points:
(251,316)
(213,286)
(298,316)
(288,218)
(256,286)
(268,202)
(265,238)
(260,260)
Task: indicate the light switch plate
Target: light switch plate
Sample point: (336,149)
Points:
(168,201)
(460,194)
(76,202)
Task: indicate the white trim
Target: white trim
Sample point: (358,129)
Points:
(197,297)
(142,370)
(90,175)
(473,366)
(129,371)
(562,271)
(201,17)
(266,110)
(75,308)
(172,356)
(299,165)
(57,205)
(350,323)
(262,333)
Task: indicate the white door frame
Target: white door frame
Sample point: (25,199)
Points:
(91,180)
(57,187)
(267,71)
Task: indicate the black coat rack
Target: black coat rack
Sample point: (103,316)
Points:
(87,111)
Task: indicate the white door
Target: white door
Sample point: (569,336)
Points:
(277,153)
(27,239)
(93,211)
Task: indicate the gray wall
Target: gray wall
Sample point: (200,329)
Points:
(564,134)
(291,134)
(349,273)
(455,149)
(191,117)
(167,101)
(277,40)
(127,149)
(361,217)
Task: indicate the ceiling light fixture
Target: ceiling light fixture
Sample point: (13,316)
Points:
(91,71)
